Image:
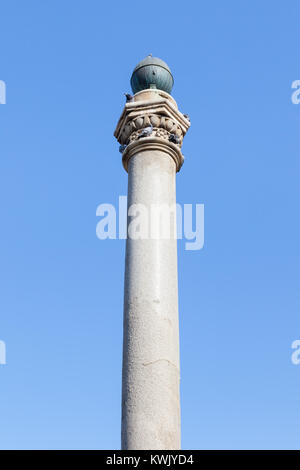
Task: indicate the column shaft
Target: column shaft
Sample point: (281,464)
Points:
(150,378)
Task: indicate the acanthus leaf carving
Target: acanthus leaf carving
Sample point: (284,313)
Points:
(163,127)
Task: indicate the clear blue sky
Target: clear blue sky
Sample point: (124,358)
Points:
(66,66)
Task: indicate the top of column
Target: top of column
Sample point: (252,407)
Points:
(152,73)
(151,119)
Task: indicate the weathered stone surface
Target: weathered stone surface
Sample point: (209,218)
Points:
(150,377)
(151,108)
(150,403)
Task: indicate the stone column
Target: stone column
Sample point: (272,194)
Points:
(150,379)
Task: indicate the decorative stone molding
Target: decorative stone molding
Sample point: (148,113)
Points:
(153,143)
(162,127)
(156,109)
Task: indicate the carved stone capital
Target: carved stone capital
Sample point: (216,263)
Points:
(158,111)
(153,143)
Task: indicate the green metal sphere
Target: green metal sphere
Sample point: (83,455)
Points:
(152,72)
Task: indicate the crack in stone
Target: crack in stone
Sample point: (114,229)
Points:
(159,360)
